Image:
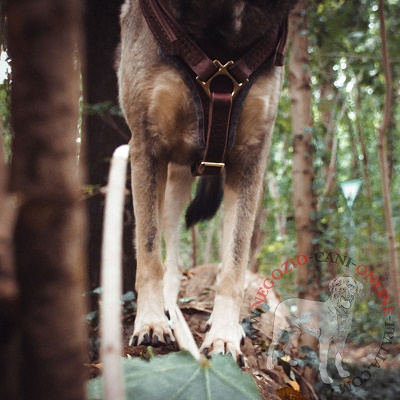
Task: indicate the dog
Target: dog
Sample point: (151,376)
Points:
(163,115)
(328,321)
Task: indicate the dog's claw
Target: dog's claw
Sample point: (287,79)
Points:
(146,339)
(205,351)
(242,341)
(240,360)
(155,341)
(168,314)
(167,339)
(133,341)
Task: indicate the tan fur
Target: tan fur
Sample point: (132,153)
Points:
(160,112)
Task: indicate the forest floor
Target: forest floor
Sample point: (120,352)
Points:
(301,382)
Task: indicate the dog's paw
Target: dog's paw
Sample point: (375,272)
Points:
(151,329)
(270,363)
(224,340)
(326,379)
(343,373)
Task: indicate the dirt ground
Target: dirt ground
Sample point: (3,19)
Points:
(300,382)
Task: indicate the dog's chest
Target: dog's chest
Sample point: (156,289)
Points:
(238,15)
(343,325)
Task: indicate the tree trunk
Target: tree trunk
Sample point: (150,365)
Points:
(304,199)
(8,287)
(383,161)
(365,161)
(329,106)
(103,132)
(49,239)
(303,195)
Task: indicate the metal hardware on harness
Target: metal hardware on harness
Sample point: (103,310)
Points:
(207,164)
(222,70)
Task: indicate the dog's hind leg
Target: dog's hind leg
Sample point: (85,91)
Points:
(176,196)
(294,334)
(339,346)
(148,182)
(277,333)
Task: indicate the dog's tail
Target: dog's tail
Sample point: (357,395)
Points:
(208,198)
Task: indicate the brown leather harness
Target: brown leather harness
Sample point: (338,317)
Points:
(217,84)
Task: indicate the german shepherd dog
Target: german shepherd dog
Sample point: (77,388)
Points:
(162,115)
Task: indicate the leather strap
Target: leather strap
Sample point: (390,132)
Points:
(216,144)
(174,40)
(219,82)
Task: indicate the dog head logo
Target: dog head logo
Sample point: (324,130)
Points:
(329,321)
(344,290)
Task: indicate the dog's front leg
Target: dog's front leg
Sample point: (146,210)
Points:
(244,176)
(148,182)
(339,346)
(176,196)
(323,359)
(241,199)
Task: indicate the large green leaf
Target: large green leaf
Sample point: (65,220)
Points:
(179,376)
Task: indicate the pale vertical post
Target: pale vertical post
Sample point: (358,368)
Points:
(111,278)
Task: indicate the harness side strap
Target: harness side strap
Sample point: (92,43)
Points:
(174,40)
(219,118)
(275,42)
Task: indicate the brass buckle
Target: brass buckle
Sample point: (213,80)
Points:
(222,70)
(204,164)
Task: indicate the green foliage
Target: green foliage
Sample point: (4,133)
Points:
(102,109)
(5,115)
(368,324)
(128,303)
(180,376)
(91,190)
